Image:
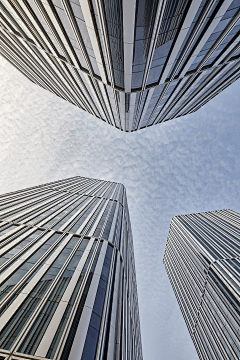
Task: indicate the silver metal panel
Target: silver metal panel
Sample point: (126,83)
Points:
(128,40)
(97,220)
(78,344)
(56,319)
(207,34)
(183,32)
(91,31)
(74,216)
(149,97)
(122,110)
(111,234)
(5,274)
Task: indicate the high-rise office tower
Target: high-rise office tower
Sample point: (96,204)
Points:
(132,63)
(202,260)
(67,275)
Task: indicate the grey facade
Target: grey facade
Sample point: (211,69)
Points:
(67,275)
(202,260)
(132,63)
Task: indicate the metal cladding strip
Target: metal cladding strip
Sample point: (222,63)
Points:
(100,191)
(16,214)
(210,88)
(104,38)
(42,63)
(88,218)
(78,36)
(128,40)
(183,91)
(205,285)
(9,234)
(105,193)
(75,28)
(107,104)
(43,301)
(102,22)
(106,219)
(34,201)
(24,61)
(85,189)
(122,110)
(74,216)
(57,317)
(148,99)
(113,226)
(31,76)
(22,259)
(215,92)
(25,12)
(93,39)
(154,36)
(53,213)
(206,35)
(198,91)
(46,11)
(119,315)
(96,221)
(114,314)
(183,230)
(98,105)
(101,101)
(174,98)
(14,17)
(81,333)
(38,209)
(103,326)
(234,47)
(95,187)
(39,33)
(223,35)
(177,111)
(131,110)
(92,35)
(15,242)
(29,287)
(181,37)
(166,86)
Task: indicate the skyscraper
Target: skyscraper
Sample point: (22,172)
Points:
(132,63)
(202,260)
(67,275)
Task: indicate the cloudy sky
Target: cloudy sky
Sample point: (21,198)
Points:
(186,165)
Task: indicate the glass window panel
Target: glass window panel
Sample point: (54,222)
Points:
(36,332)
(74,325)
(7,229)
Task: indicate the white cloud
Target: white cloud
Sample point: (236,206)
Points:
(185,165)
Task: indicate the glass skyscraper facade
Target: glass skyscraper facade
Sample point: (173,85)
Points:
(202,260)
(132,63)
(67,274)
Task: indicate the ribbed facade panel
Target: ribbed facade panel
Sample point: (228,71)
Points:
(67,274)
(130,63)
(202,260)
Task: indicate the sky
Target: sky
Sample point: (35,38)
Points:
(186,165)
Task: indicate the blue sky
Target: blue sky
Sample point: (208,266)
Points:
(190,164)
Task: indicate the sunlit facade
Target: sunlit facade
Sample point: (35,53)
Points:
(132,63)
(67,274)
(202,260)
